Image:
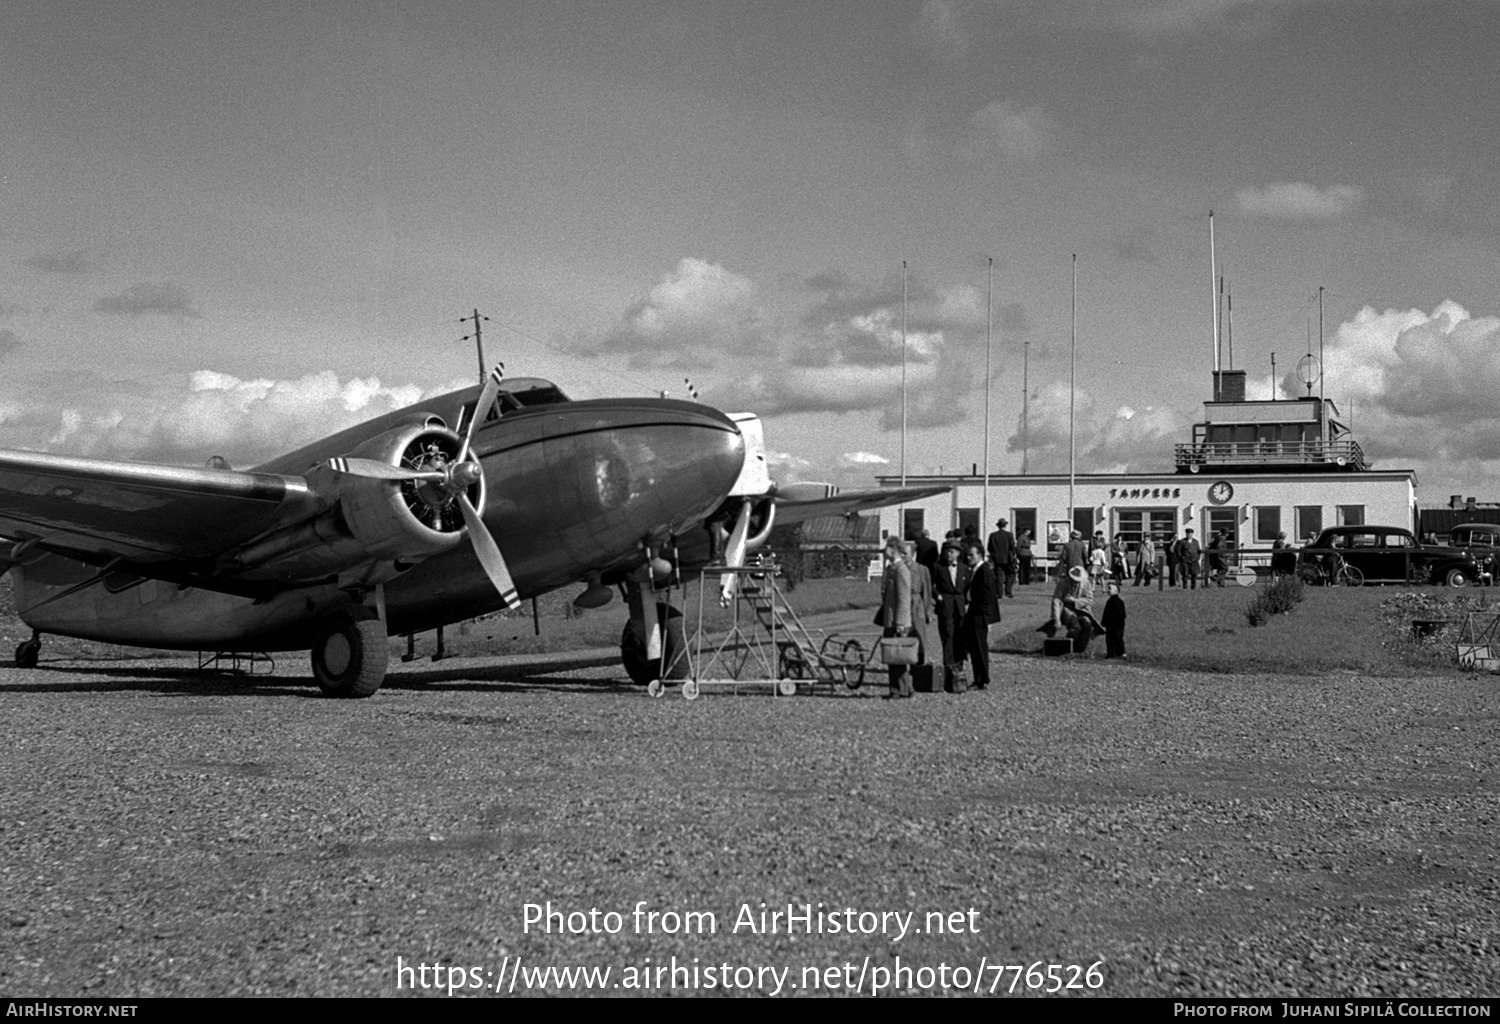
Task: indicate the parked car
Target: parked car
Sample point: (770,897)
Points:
(1387,554)
(1482,540)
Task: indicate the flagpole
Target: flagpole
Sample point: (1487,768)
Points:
(901,528)
(989,332)
(1072,397)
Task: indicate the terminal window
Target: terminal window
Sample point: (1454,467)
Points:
(1309,522)
(1225,521)
(1351,515)
(1267,523)
(1023,520)
(1132,523)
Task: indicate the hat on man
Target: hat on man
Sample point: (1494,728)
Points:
(1077,573)
(1076,535)
(892,541)
(1000,522)
(1188,530)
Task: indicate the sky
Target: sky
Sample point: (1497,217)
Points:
(230,229)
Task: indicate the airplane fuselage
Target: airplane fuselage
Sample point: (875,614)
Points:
(572,490)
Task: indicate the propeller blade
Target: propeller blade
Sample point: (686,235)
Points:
(734,555)
(489,553)
(376,470)
(482,409)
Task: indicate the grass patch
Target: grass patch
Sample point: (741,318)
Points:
(1335,629)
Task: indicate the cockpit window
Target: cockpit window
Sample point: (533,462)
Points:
(533,391)
(515,394)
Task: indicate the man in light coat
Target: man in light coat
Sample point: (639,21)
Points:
(895,611)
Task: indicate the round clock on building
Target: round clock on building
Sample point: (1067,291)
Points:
(1220,492)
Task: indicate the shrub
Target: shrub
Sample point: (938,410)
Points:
(1276,598)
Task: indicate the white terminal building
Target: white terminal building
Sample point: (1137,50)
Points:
(1253,470)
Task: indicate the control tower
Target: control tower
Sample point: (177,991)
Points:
(1299,435)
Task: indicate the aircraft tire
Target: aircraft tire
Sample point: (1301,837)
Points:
(633,651)
(26,653)
(350,656)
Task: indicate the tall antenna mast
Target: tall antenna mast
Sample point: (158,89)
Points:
(478,341)
(1213,287)
(989,334)
(1274,386)
(1321,373)
(1229,318)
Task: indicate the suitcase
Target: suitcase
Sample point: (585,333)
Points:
(957,682)
(1056,646)
(927,678)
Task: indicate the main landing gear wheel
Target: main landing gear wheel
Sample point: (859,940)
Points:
(643,670)
(26,653)
(690,689)
(349,656)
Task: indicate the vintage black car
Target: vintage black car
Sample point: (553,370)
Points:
(1385,554)
(1482,541)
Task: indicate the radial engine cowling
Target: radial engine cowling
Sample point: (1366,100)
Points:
(410,519)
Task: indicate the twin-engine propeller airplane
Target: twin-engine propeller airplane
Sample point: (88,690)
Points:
(403,523)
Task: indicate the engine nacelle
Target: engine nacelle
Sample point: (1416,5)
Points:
(406,520)
(371,520)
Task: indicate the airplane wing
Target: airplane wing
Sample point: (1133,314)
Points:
(796,503)
(101,510)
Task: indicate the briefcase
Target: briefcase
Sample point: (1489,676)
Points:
(899,650)
(927,678)
(1054,646)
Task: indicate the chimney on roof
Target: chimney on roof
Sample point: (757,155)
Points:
(1229,385)
(1470,504)
(1456,501)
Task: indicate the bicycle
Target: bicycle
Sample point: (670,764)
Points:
(1330,570)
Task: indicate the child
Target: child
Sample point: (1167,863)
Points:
(1098,565)
(1114,624)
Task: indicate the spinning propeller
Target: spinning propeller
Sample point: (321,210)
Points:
(442,483)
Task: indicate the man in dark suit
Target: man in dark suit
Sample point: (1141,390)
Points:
(982,609)
(1002,552)
(927,550)
(950,584)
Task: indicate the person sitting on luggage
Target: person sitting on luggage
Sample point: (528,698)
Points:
(1077,616)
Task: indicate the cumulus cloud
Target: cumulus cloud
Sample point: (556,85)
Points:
(8,342)
(149,300)
(246,421)
(698,306)
(1299,201)
(1004,130)
(826,344)
(865,459)
(74,261)
(1419,385)
(1106,439)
